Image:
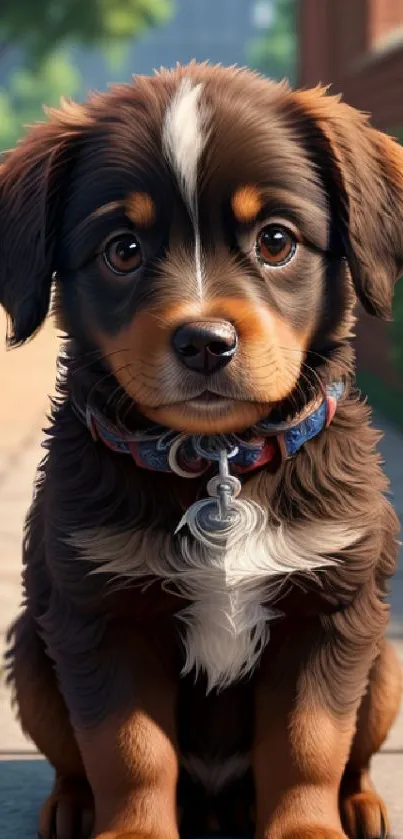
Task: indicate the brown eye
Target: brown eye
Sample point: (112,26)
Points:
(276,245)
(122,254)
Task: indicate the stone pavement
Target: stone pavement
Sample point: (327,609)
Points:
(26,376)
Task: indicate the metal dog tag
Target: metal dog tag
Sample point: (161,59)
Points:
(221,519)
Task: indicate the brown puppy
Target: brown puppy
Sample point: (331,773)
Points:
(207,234)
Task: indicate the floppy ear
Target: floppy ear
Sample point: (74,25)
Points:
(32,181)
(363,171)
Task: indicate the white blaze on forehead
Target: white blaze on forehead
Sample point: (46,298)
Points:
(183,139)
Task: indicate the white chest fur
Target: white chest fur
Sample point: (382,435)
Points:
(226,627)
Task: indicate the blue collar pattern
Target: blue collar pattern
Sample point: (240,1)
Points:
(189,455)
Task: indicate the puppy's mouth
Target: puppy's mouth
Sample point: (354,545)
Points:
(208,412)
(207,401)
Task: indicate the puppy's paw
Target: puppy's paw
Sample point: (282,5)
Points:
(132,835)
(314,832)
(365,816)
(68,813)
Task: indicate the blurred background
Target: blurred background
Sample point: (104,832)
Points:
(50,48)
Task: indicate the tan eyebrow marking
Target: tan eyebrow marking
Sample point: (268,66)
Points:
(246,203)
(140,208)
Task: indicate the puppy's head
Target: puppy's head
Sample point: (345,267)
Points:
(207,232)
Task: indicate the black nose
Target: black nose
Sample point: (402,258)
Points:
(205,346)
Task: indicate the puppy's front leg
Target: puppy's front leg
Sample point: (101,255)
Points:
(306,708)
(121,698)
(132,768)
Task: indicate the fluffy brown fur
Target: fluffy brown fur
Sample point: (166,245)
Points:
(190,166)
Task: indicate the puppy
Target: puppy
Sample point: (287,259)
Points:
(207,556)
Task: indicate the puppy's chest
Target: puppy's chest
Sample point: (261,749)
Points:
(225,626)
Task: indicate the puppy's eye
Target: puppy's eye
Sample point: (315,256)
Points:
(122,253)
(276,245)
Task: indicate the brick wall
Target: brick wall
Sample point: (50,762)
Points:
(374,350)
(332,33)
(385,15)
(344,42)
(357,46)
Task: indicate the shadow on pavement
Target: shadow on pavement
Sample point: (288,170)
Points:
(24,784)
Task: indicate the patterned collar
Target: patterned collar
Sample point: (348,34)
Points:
(189,455)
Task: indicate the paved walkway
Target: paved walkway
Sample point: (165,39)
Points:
(26,376)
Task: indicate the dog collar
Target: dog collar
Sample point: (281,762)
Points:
(189,455)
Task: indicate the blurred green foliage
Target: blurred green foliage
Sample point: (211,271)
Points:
(21,101)
(274,53)
(42,31)
(39,27)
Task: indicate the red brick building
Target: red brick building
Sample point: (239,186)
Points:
(357,46)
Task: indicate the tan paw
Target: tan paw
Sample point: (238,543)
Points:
(364,816)
(68,813)
(132,835)
(314,832)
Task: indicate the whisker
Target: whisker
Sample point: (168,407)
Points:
(272,362)
(120,406)
(100,381)
(112,395)
(317,355)
(142,362)
(101,357)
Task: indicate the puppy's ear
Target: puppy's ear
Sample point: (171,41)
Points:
(32,185)
(363,171)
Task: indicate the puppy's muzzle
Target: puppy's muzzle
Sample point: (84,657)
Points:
(205,346)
